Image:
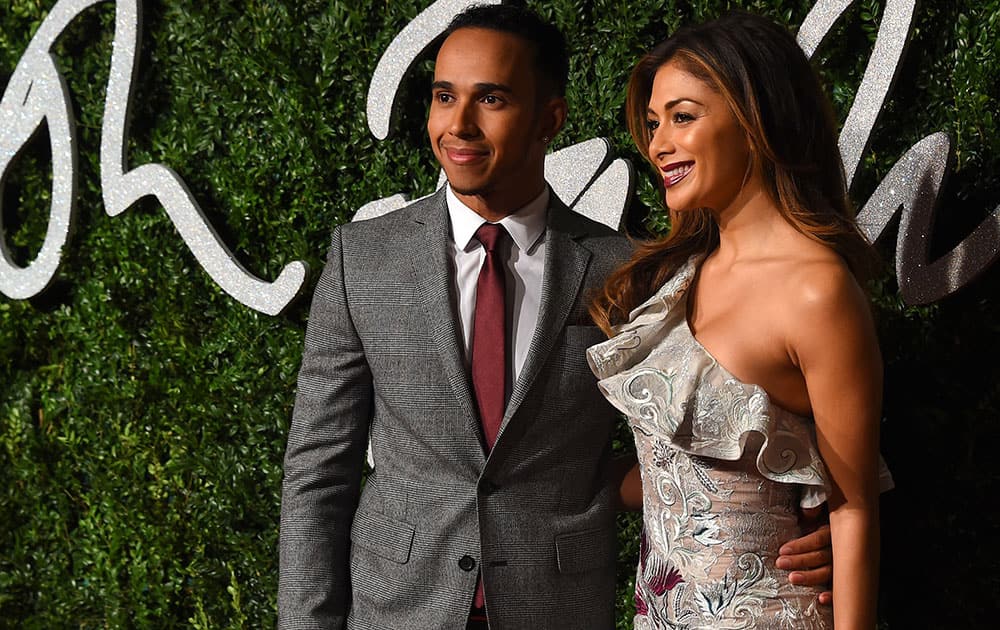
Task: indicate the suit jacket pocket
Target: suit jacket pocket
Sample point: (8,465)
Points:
(584,336)
(581,551)
(571,356)
(385,537)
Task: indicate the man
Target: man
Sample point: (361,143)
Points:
(459,351)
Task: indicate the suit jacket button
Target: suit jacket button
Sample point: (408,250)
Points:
(466,563)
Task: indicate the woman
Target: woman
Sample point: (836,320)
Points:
(752,377)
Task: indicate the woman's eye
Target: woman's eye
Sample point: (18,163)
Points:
(652,125)
(681,117)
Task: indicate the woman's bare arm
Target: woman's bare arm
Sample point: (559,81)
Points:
(832,340)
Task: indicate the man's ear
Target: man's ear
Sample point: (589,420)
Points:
(554,113)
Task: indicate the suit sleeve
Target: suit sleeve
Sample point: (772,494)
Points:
(323,460)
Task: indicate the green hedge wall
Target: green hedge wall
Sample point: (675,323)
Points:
(143,412)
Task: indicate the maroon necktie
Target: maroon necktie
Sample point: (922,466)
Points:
(489,335)
(489,345)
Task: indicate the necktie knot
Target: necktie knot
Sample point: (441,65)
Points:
(489,234)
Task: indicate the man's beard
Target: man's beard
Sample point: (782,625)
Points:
(481,191)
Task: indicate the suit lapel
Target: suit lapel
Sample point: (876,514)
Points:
(431,274)
(565,268)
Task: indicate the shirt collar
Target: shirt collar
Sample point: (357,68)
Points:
(525,225)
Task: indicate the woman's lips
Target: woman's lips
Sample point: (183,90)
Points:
(675,172)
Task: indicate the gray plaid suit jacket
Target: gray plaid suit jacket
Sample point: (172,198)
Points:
(383,361)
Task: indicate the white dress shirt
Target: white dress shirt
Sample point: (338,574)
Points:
(525,261)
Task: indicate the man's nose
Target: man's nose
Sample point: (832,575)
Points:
(463,121)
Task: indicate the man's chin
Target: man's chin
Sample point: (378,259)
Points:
(468,191)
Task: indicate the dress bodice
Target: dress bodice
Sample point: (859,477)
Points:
(656,372)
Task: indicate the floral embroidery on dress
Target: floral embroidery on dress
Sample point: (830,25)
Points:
(656,581)
(687,527)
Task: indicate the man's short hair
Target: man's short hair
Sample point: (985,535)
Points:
(551,58)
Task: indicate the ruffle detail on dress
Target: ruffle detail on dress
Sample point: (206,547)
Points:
(656,372)
(714,415)
(629,346)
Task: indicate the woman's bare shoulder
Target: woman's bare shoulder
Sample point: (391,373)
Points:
(823,303)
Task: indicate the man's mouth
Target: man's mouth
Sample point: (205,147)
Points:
(465,155)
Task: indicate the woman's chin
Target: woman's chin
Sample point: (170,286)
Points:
(682,207)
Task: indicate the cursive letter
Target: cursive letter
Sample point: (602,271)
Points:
(884,64)
(913,187)
(37,92)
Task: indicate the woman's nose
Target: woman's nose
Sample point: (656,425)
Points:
(660,143)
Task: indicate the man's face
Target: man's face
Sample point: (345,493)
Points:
(488,123)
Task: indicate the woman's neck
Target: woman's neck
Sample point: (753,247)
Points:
(748,226)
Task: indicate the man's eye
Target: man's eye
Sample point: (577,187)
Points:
(442,97)
(491,99)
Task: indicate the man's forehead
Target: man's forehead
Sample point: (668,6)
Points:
(478,55)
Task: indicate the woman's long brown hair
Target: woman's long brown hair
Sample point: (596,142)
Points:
(776,97)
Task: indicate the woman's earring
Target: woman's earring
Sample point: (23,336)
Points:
(545,139)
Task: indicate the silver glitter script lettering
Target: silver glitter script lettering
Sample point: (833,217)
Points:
(913,186)
(37,93)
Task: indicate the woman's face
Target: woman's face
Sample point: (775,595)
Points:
(697,144)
